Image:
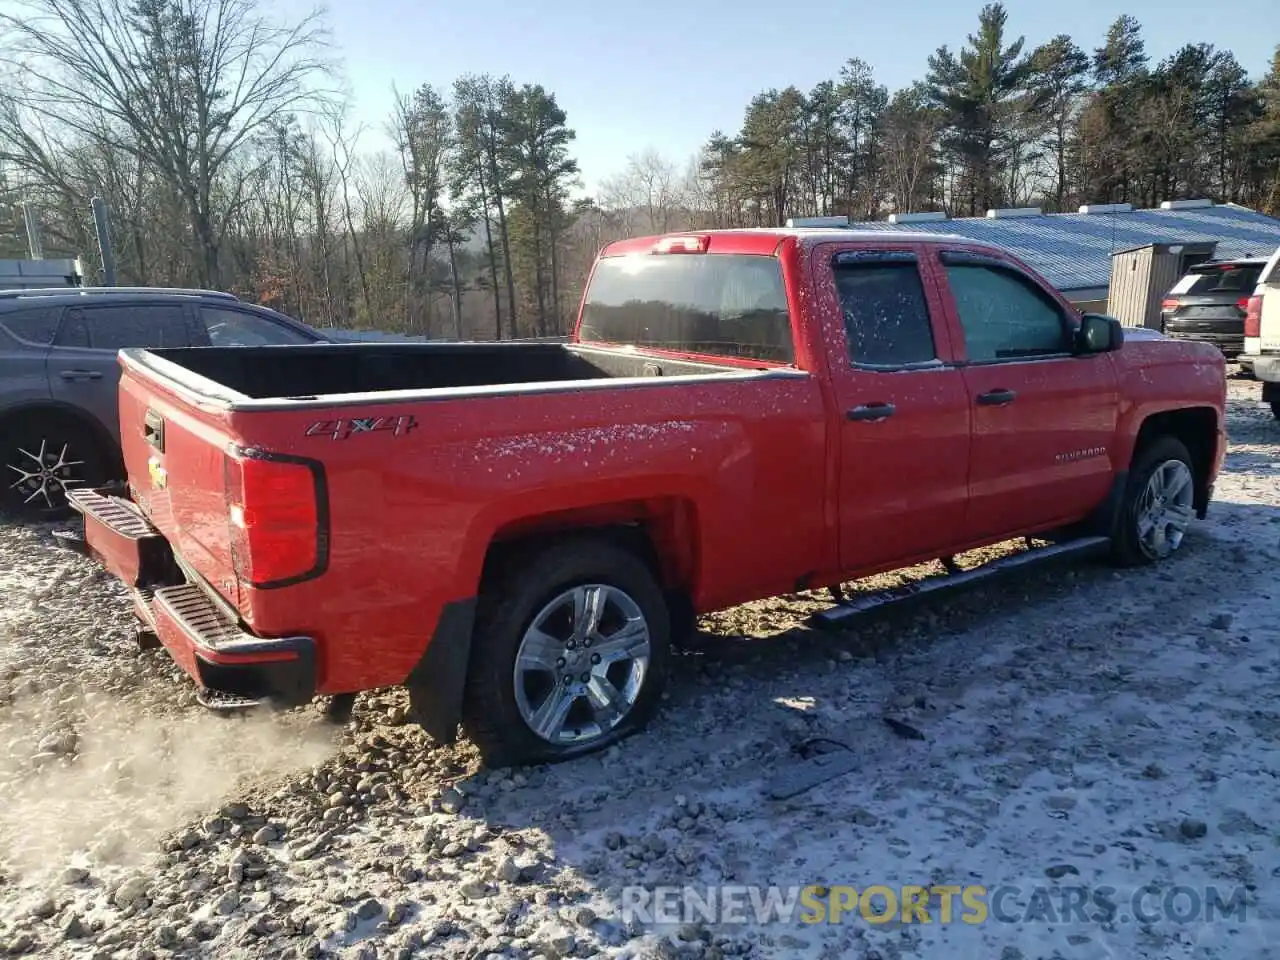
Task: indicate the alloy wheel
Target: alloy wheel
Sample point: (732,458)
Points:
(581,664)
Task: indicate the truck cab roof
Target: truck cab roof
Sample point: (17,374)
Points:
(765,240)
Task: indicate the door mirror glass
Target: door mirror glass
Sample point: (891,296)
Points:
(1099,334)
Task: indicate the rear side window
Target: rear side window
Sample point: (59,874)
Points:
(886,317)
(33,324)
(152,325)
(729,305)
(1226,279)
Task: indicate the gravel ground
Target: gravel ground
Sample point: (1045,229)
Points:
(1067,727)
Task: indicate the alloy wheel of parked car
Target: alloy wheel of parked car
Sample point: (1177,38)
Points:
(1165,509)
(41,477)
(581,664)
(570,651)
(41,462)
(1159,503)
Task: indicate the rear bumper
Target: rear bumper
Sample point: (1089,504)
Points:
(201,635)
(1228,341)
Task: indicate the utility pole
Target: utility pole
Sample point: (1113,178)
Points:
(102,224)
(31,216)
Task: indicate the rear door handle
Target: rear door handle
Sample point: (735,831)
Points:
(872,411)
(996,398)
(80,375)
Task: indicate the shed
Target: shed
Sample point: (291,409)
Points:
(1141,276)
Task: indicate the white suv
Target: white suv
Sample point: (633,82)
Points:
(1262,333)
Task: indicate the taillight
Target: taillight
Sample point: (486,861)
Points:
(277,514)
(1168,306)
(1253,317)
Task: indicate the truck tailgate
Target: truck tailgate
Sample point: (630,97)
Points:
(175,454)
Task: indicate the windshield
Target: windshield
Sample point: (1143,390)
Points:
(729,305)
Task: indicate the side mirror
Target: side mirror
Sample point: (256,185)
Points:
(1099,334)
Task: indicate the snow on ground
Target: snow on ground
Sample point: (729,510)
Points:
(1086,734)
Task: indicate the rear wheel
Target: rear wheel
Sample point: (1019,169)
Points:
(41,459)
(1159,503)
(570,653)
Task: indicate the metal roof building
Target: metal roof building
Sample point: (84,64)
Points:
(1073,250)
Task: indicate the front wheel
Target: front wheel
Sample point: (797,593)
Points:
(570,653)
(1159,504)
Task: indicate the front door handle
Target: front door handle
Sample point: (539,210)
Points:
(80,375)
(872,411)
(996,398)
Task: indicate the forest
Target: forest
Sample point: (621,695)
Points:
(223,145)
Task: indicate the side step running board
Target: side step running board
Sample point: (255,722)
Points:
(857,605)
(224,702)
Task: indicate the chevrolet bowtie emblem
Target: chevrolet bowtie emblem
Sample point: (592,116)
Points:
(159,475)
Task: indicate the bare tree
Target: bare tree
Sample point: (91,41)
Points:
(180,84)
(649,185)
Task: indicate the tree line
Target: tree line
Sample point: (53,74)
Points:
(228,158)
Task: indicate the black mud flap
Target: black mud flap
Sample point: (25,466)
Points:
(436,685)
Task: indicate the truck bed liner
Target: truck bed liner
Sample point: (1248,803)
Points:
(266,372)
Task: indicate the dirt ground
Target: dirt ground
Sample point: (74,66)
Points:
(1067,729)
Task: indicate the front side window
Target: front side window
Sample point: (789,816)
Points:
(886,316)
(729,305)
(1004,315)
(237,328)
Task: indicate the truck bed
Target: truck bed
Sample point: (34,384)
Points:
(334,369)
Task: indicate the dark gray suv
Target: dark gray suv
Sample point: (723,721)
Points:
(1208,303)
(59,374)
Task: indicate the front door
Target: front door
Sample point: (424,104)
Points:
(904,415)
(1044,419)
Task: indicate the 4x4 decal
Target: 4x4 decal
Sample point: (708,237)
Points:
(343,428)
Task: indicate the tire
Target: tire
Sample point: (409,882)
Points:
(68,453)
(1275,409)
(546,587)
(1167,456)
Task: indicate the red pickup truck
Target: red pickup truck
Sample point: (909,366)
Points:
(519,533)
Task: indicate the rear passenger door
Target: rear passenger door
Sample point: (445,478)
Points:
(1044,419)
(25,335)
(902,408)
(83,364)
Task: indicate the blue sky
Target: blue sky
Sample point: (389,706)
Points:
(635,76)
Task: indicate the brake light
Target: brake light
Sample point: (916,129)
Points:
(1253,317)
(276,512)
(691,244)
(1242,303)
(1168,306)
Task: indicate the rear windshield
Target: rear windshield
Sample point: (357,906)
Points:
(1226,278)
(728,305)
